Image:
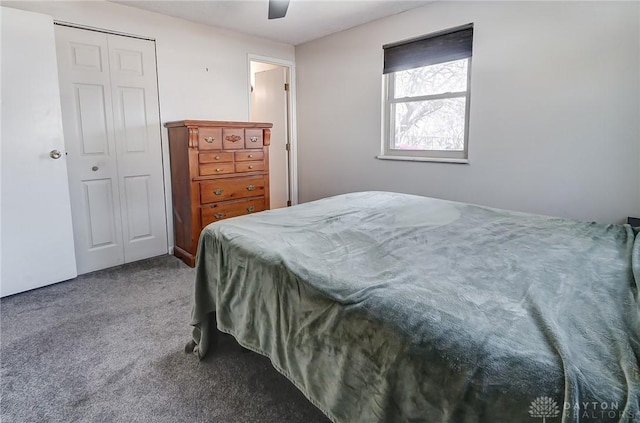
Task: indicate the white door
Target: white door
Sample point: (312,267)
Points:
(36,231)
(112,130)
(136,120)
(270,105)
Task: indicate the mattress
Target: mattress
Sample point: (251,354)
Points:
(387,307)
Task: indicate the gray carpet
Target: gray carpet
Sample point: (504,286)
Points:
(109,347)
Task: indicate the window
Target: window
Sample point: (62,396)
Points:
(426,112)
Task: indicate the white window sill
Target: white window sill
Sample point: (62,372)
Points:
(423,159)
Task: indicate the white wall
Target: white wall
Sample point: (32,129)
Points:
(202,71)
(554,125)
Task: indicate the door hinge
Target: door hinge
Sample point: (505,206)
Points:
(287,147)
(288,203)
(286,86)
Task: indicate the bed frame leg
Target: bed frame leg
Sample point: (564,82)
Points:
(209,342)
(190,346)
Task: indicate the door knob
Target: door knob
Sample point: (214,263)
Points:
(55,154)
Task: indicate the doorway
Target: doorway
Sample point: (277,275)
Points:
(271,100)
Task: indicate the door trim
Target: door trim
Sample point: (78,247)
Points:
(293,139)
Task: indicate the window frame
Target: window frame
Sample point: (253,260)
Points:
(388,123)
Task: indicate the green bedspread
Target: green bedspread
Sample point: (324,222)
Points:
(384,307)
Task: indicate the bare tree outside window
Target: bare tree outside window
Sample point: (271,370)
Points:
(428,107)
(449,77)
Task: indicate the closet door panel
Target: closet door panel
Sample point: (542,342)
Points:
(102,226)
(134,123)
(92,124)
(85,87)
(138,143)
(137,192)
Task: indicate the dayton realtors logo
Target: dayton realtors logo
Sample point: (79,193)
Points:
(546,407)
(543,407)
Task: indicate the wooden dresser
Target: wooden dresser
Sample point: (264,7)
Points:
(218,170)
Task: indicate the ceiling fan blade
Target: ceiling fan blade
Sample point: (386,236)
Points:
(278,8)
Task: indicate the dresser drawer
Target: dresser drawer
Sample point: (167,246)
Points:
(215,157)
(253,138)
(209,138)
(232,209)
(249,166)
(228,189)
(216,168)
(243,156)
(232,139)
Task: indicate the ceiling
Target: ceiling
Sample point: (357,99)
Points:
(306,20)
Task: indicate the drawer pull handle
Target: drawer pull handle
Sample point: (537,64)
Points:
(254,139)
(251,156)
(217,157)
(250,167)
(210,139)
(251,209)
(218,169)
(218,215)
(218,191)
(233,138)
(251,187)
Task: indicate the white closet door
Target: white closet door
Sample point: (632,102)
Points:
(37,237)
(113,141)
(139,154)
(85,88)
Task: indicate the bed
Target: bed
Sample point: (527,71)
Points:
(387,307)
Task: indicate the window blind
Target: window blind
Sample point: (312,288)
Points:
(444,46)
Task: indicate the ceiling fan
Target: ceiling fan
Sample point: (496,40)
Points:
(278,8)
